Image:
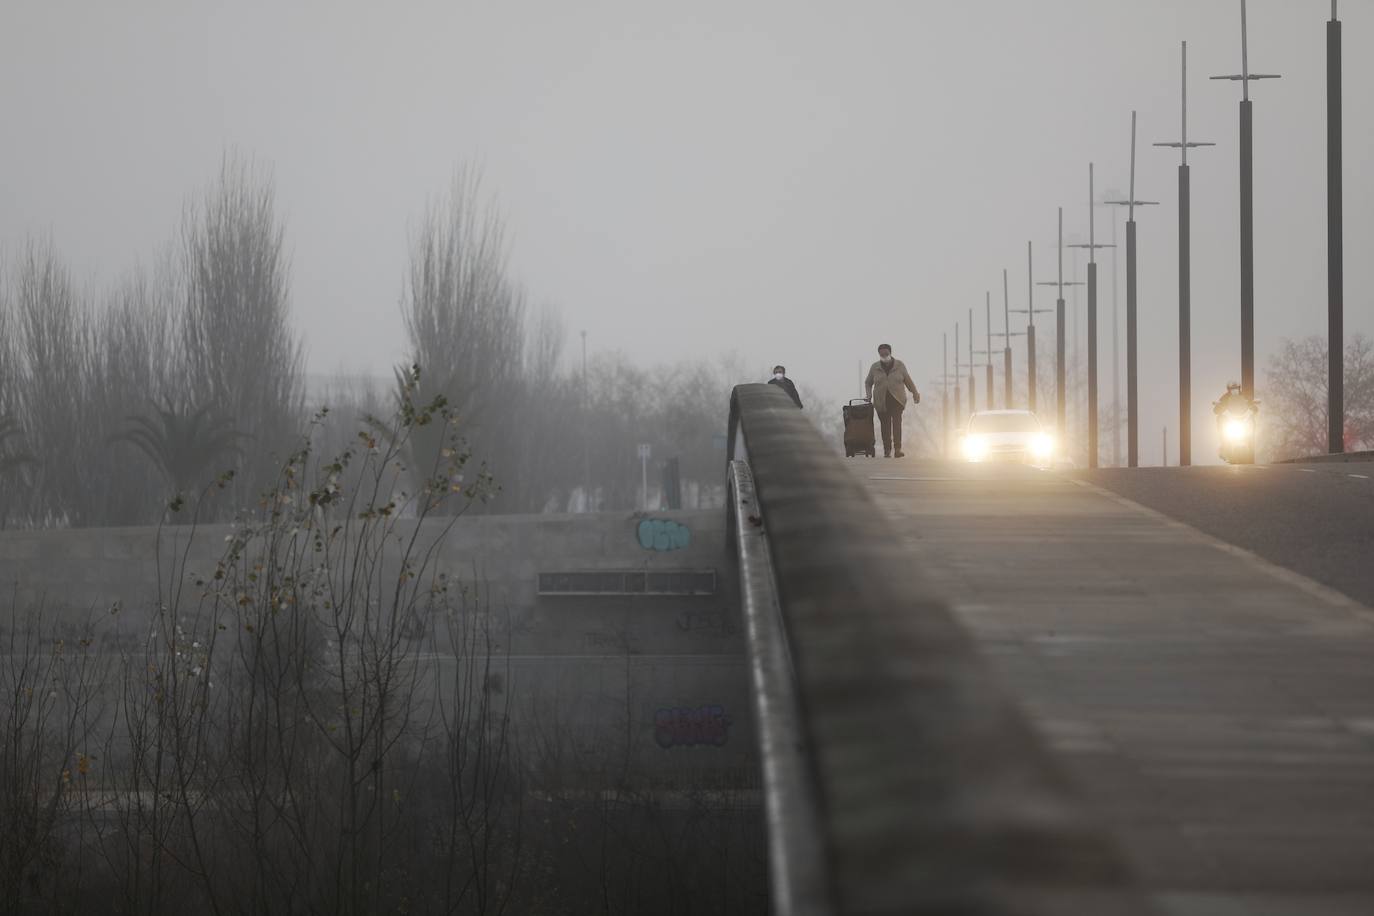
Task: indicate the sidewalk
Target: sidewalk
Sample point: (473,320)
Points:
(1217,712)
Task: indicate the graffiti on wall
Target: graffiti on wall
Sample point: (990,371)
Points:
(714,622)
(692,726)
(663,534)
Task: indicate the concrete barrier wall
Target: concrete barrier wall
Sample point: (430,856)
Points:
(659,682)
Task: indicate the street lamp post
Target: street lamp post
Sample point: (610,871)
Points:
(972,382)
(1247,212)
(1132,388)
(944,392)
(1116,343)
(1185,294)
(957,398)
(1060,393)
(987,325)
(1335,243)
(1030,311)
(1030,329)
(1092,247)
(1006,334)
(1006,341)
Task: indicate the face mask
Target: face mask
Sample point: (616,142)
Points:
(778,376)
(887,358)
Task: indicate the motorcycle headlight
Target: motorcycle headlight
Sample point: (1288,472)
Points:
(975,448)
(1236,431)
(1042,446)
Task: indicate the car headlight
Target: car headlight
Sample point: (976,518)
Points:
(1236,431)
(975,448)
(1042,445)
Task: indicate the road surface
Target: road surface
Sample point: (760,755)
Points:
(1216,710)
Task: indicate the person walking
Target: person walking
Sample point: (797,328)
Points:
(886,386)
(782,381)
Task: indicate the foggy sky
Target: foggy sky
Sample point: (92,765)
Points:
(792,181)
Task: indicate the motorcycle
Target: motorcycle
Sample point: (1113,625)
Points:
(1236,417)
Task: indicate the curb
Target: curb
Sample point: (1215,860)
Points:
(1334,457)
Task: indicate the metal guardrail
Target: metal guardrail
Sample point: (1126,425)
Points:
(899,777)
(796,861)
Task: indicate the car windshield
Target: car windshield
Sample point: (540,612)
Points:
(1004,423)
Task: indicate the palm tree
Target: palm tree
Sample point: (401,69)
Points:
(182,441)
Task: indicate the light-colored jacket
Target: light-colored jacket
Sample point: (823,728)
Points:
(893,380)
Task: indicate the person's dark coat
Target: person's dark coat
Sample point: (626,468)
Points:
(785,384)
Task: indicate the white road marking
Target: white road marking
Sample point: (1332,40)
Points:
(1308,470)
(1360,476)
(880,477)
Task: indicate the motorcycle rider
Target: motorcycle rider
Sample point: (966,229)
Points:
(1232,401)
(1235,415)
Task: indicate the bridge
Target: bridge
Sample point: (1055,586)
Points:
(996,689)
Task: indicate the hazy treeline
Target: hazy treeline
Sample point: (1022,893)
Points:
(319,721)
(113,400)
(110,401)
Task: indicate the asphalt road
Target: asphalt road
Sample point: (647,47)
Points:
(1315,519)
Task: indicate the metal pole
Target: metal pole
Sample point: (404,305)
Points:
(1074,368)
(1132,400)
(1092,326)
(987,321)
(1060,392)
(1185,284)
(1006,340)
(944,392)
(1247,225)
(1030,331)
(958,399)
(1185,276)
(1132,412)
(1164,451)
(972,382)
(1335,243)
(1247,251)
(644,485)
(1132,407)
(1116,359)
(1185,325)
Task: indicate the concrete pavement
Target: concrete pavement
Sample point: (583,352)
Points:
(1216,711)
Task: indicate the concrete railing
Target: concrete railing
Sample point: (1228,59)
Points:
(899,778)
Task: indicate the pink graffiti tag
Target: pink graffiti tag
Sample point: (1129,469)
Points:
(684,726)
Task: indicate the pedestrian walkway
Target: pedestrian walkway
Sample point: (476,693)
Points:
(1217,712)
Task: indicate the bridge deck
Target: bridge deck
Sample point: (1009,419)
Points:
(1216,711)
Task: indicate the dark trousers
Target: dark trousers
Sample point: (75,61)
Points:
(890,420)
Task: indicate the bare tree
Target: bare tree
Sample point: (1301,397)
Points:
(463,312)
(134,366)
(241,357)
(1293,410)
(56,411)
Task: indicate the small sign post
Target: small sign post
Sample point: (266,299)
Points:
(644,473)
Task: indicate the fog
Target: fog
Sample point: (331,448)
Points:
(252,661)
(788,182)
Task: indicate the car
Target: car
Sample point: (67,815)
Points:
(1006,435)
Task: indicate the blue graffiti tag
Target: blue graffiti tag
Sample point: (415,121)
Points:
(663,534)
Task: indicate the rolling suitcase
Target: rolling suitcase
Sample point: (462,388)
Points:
(858,428)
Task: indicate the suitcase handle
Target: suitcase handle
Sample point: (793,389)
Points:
(853,401)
